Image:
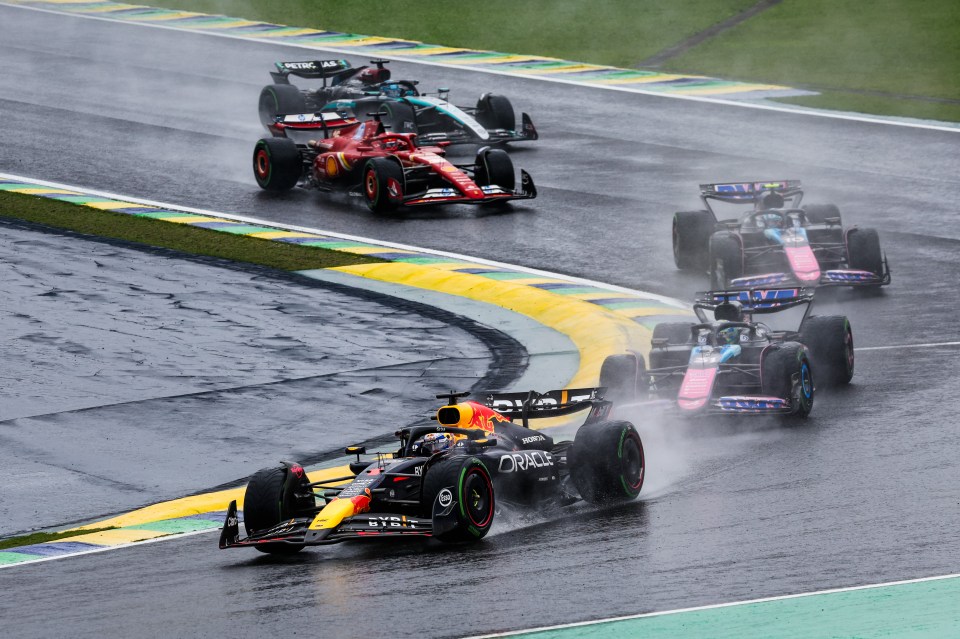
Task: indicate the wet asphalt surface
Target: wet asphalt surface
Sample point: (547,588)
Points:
(864,491)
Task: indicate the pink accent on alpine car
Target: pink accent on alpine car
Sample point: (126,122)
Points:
(803,262)
(696,388)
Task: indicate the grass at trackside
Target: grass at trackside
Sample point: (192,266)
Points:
(289,257)
(908,49)
(41,537)
(614,32)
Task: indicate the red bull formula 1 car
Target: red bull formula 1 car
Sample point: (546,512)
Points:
(389,170)
(445,480)
(354,91)
(733,364)
(777,242)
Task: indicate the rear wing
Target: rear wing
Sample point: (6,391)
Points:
(748,191)
(555,403)
(319,69)
(754,301)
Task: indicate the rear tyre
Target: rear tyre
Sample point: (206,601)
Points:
(622,376)
(786,373)
(691,239)
(606,462)
(495,112)
(726,260)
(398,117)
(863,250)
(465,483)
(274,495)
(674,332)
(382,184)
(830,340)
(820,213)
(277,165)
(280,99)
(494,166)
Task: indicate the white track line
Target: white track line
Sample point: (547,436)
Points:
(355,52)
(898,347)
(353,238)
(578,624)
(105,548)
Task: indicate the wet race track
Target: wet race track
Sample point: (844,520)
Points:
(864,491)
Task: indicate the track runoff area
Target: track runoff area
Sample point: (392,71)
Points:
(915,608)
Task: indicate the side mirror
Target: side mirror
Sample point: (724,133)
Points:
(355,450)
(364,147)
(485,443)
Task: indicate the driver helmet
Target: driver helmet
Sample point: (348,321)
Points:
(729,311)
(392,90)
(769,221)
(435,442)
(769,200)
(374,76)
(729,335)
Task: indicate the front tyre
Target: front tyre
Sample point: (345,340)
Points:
(458,493)
(277,164)
(274,495)
(495,112)
(786,373)
(606,462)
(691,239)
(863,251)
(494,167)
(726,260)
(382,184)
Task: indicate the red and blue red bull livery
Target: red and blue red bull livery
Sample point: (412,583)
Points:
(448,479)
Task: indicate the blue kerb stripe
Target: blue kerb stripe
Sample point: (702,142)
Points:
(53,549)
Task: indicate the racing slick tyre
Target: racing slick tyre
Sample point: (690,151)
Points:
(863,250)
(494,166)
(691,239)
(726,260)
(606,462)
(382,184)
(462,484)
(786,373)
(272,496)
(820,213)
(398,117)
(495,112)
(830,340)
(280,99)
(277,164)
(622,376)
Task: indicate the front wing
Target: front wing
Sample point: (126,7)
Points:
(493,193)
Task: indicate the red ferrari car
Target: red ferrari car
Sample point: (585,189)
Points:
(328,151)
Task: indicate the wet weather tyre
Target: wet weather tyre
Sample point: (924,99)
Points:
(272,496)
(382,184)
(830,341)
(463,484)
(674,332)
(726,260)
(398,117)
(495,112)
(820,213)
(622,376)
(863,251)
(691,239)
(280,99)
(494,166)
(787,374)
(277,165)
(606,462)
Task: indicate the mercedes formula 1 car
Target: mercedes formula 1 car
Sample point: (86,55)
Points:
(356,91)
(732,364)
(390,170)
(777,242)
(447,479)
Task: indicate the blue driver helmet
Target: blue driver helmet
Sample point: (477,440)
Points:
(729,335)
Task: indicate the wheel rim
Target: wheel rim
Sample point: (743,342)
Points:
(371,186)
(478,497)
(806,383)
(261,164)
(848,346)
(676,243)
(631,462)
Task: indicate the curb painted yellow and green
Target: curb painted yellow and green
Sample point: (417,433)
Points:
(598,320)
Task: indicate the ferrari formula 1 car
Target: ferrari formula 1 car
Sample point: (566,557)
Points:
(390,170)
(777,242)
(732,364)
(446,479)
(356,91)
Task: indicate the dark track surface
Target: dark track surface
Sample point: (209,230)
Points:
(864,491)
